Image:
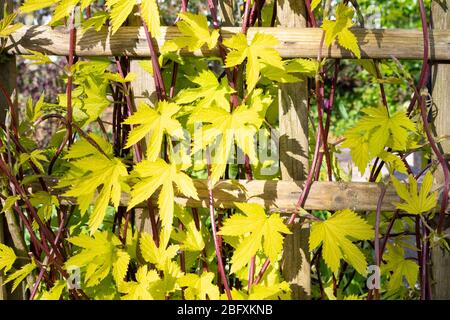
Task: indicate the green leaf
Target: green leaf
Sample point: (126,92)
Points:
(399,267)
(259,232)
(18,276)
(156,122)
(9,202)
(7,257)
(45,202)
(416,202)
(340,29)
(336,234)
(116,77)
(35,157)
(261,49)
(199,287)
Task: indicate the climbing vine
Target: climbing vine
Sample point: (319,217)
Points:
(75,204)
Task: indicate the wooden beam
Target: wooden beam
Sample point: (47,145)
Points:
(294,42)
(281,196)
(441,97)
(294,163)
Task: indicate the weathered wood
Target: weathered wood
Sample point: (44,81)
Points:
(296,42)
(227,11)
(281,196)
(3,295)
(144,90)
(8,76)
(293,152)
(441,99)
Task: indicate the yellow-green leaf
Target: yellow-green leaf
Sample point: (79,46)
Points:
(261,49)
(150,15)
(7,257)
(157,122)
(33,5)
(18,276)
(146,287)
(199,287)
(210,92)
(416,202)
(340,29)
(227,128)
(120,10)
(259,232)
(54,293)
(91,170)
(100,255)
(159,256)
(314,4)
(160,174)
(398,267)
(195,34)
(336,234)
(375,131)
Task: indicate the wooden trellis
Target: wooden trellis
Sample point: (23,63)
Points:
(296,41)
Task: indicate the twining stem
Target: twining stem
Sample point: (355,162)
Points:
(159,83)
(46,259)
(69,115)
(423,112)
(72,35)
(220,265)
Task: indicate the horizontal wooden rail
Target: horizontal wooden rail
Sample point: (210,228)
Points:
(281,196)
(379,44)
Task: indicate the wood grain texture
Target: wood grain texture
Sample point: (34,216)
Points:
(143,90)
(441,99)
(294,42)
(281,196)
(8,76)
(294,163)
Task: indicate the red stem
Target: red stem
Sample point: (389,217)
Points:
(424,115)
(220,266)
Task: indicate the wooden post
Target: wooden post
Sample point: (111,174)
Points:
(143,88)
(441,99)
(293,115)
(8,80)
(227,11)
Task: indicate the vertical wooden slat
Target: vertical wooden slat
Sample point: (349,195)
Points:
(3,295)
(143,88)
(441,99)
(8,80)
(227,12)
(293,141)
